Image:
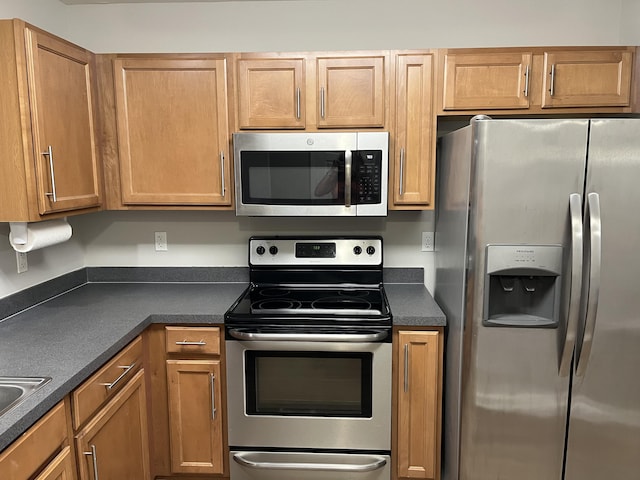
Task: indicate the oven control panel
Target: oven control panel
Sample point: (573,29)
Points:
(366,251)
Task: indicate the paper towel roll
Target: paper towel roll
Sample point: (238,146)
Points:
(39,235)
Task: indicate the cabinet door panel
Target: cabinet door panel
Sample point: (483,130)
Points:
(270,93)
(195,419)
(486,81)
(115,440)
(62,118)
(587,79)
(60,468)
(414,146)
(418,414)
(172,131)
(351,92)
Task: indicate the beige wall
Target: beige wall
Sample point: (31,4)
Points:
(209,238)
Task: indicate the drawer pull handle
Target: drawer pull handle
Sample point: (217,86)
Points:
(187,342)
(94,456)
(127,369)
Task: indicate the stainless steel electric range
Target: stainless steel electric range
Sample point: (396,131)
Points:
(308,349)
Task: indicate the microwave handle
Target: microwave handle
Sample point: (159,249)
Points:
(348,158)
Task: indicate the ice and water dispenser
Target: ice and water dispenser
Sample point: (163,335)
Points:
(522,286)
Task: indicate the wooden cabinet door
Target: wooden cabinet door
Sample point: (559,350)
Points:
(413,179)
(351,91)
(271,93)
(486,81)
(115,442)
(173,135)
(587,79)
(195,419)
(60,468)
(62,118)
(418,405)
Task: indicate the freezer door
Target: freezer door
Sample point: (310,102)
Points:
(604,427)
(514,400)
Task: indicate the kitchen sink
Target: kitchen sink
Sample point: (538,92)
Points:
(14,390)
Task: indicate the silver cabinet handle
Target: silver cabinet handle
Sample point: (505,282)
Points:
(406,367)
(401,171)
(223,185)
(94,456)
(188,342)
(573,313)
(595,257)
(322,102)
(526,80)
(348,158)
(52,194)
(213,396)
(298,107)
(309,337)
(127,369)
(245,459)
(552,82)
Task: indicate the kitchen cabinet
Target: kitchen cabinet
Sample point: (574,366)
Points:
(114,444)
(418,389)
(110,419)
(50,165)
(43,452)
(172,131)
(271,93)
(535,80)
(195,400)
(412,172)
(587,79)
(312,90)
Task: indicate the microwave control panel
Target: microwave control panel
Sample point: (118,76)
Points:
(368,176)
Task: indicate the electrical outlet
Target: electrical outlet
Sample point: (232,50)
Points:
(21,262)
(161,241)
(428,241)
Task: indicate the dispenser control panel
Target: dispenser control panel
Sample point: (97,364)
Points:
(541,258)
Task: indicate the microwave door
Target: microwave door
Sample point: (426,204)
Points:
(296,183)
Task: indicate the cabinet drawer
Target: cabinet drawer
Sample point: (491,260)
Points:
(105,382)
(30,452)
(198,340)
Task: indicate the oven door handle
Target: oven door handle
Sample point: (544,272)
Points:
(309,337)
(376,463)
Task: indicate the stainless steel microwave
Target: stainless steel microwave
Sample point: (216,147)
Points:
(311,174)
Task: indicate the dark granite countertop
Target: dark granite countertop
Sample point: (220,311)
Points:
(71,335)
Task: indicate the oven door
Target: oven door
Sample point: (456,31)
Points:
(309,391)
(257,465)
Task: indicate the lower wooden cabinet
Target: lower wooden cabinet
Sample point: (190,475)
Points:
(195,424)
(29,457)
(114,443)
(418,394)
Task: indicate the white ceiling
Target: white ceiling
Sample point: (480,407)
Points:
(87,2)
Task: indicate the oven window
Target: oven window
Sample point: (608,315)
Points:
(292,178)
(317,384)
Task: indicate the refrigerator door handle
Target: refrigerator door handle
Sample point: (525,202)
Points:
(575,213)
(595,257)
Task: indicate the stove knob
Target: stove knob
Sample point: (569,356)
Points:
(260,250)
(273,250)
(371,250)
(357,250)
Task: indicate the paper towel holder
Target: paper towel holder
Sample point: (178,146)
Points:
(19,232)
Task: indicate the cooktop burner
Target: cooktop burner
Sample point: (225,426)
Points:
(313,281)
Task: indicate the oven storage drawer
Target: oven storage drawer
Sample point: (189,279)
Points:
(257,465)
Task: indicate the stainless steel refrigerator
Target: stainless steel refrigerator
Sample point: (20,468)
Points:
(538,272)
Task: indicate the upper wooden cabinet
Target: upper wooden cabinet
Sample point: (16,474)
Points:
(48,145)
(173,135)
(587,79)
(271,93)
(491,81)
(311,91)
(412,177)
(568,80)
